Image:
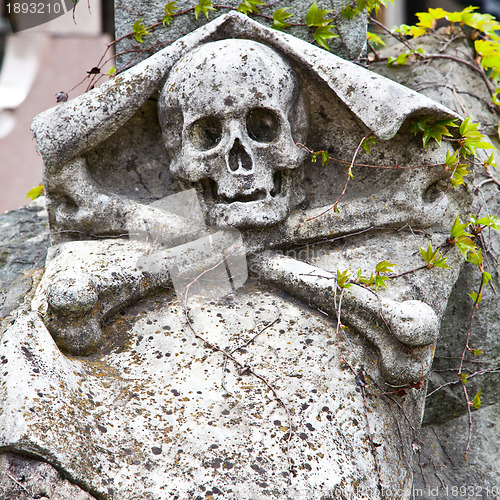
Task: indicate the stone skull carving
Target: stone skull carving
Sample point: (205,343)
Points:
(140,398)
(238,146)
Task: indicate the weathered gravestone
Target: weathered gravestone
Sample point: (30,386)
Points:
(184,340)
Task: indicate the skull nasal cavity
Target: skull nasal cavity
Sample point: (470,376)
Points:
(239,160)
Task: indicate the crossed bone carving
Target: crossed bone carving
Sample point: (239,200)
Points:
(242,160)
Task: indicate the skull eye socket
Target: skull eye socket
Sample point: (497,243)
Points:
(262,125)
(206,132)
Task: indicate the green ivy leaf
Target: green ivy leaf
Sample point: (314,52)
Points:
(491,162)
(376,280)
(203,7)
(451,159)
(170,9)
(342,279)
(458,229)
(458,17)
(399,60)
(384,267)
(325,157)
(434,258)
(432,129)
(428,19)
(441,262)
(427,254)
(374,5)
(487,221)
(468,127)
(35,192)
(379,282)
(437,130)
(477,352)
(140,30)
(279,19)
(368,143)
(375,40)
(458,174)
(367,281)
(476,402)
(250,6)
(486,278)
(496,97)
(413,31)
(463,377)
(481,22)
(322,34)
(111,71)
(475,257)
(472,138)
(475,297)
(489,50)
(465,245)
(348,12)
(316,17)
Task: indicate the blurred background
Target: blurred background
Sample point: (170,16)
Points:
(37,62)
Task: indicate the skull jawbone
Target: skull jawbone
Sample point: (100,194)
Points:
(250,214)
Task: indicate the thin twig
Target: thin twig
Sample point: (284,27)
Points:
(472,66)
(458,100)
(454,382)
(241,366)
(469,416)
(368,165)
(411,271)
(463,382)
(362,386)
(334,206)
(18,483)
(246,344)
(337,331)
(469,328)
(389,32)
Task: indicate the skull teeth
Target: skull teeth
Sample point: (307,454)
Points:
(211,192)
(256,196)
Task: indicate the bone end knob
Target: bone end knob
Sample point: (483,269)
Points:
(72,314)
(412,322)
(71,294)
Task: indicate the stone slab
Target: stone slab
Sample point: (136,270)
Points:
(350,45)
